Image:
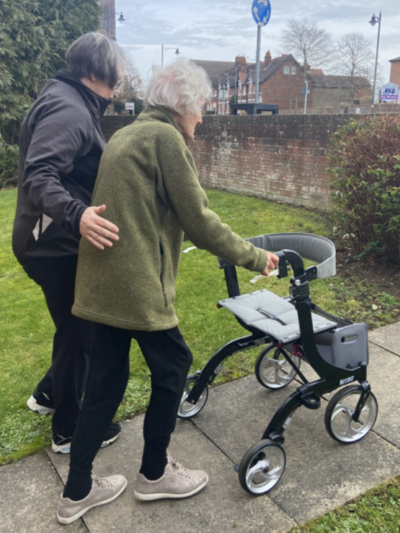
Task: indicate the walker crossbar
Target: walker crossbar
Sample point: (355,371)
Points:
(211,370)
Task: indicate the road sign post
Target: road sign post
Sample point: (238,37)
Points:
(261,11)
(305,90)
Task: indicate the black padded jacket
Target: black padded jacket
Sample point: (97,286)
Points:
(61,144)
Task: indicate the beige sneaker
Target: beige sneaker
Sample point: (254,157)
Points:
(104,490)
(177,482)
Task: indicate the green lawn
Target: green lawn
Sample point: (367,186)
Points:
(26,328)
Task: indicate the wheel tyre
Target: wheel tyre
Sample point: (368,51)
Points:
(338,421)
(186,409)
(279,378)
(262,467)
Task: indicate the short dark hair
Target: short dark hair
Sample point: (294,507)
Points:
(95,54)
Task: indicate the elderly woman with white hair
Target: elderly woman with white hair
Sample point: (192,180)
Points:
(149,181)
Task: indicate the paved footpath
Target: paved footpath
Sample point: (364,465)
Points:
(320,473)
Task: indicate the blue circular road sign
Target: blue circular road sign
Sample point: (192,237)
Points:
(261,11)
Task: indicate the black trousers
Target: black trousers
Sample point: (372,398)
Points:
(64,382)
(169,360)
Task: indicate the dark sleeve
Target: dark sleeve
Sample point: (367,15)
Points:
(190,203)
(60,135)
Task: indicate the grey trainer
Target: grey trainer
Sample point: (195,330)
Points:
(177,482)
(104,490)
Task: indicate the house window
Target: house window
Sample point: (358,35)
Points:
(293,70)
(215,92)
(286,70)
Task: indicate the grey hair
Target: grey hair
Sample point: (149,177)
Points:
(95,54)
(179,87)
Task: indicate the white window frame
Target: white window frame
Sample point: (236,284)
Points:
(293,70)
(286,70)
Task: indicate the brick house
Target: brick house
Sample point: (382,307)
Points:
(281,82)
(395,71)
(339,91)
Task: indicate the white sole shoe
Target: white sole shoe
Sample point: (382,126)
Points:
(176,482)
(37,408)
(169,495)
(69,511)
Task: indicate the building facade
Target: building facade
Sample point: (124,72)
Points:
(395,71)
(282,81)
(107,17)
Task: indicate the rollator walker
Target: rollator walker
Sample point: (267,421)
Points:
(293,329)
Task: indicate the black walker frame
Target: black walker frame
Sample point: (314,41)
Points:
(307,395)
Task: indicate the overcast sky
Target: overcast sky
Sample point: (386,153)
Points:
(220,30)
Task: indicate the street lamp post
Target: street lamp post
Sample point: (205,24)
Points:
(109,13)
(373,21)
(165,48)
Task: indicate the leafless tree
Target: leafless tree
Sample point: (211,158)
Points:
(354,56)
(304,38)
(131,89)
(132,84)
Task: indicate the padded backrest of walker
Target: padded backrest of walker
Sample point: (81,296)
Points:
(313,247)
(283,326)
(350,346)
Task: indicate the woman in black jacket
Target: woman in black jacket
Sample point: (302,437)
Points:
(60,148)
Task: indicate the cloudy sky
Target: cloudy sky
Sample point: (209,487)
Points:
(220,30)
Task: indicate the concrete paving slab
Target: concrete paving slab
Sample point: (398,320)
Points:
(383,374)
(320,472)
(29,491)
(387,337)
(223,506)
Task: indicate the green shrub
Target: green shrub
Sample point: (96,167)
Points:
(34,37)
(119,107)
(365,184)
(9,154)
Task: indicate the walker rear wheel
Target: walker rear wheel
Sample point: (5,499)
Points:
(272,369)
(262,467)
(339,420)
(186,409)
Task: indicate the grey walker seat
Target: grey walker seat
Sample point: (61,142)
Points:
(293,329)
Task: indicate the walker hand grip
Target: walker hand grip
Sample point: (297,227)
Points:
(282,266)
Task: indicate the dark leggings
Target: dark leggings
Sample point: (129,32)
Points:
(72,343)
(169,360)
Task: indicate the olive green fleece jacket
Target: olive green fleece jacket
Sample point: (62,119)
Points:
(149,183)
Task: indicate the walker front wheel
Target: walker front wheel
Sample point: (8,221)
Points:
(262,467)
(340,415)
(186,409)
(273,370)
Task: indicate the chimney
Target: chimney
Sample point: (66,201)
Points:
(267,59)
(240,59)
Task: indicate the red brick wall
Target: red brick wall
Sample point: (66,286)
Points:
(280,158)
(104,4)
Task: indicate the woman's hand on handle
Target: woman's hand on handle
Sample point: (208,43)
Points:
(272,263)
